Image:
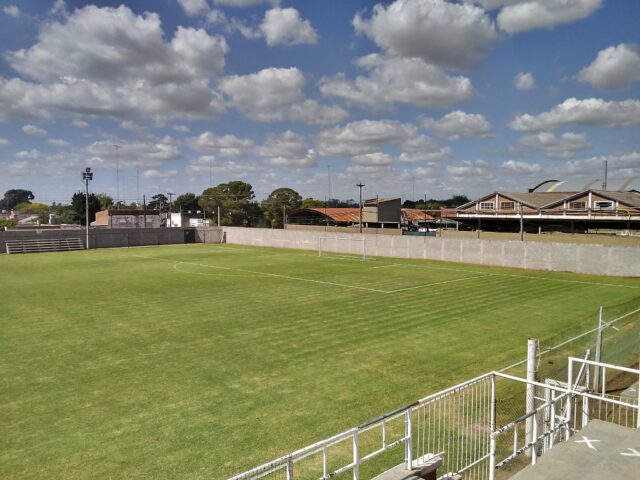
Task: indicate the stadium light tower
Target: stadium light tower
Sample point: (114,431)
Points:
(87,175)
(360,185)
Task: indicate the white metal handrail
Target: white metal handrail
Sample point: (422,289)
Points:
(454,405)
(287,461)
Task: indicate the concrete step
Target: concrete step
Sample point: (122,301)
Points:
(424,469)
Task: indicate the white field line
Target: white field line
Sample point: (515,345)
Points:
(382,263)
(555,347)
(287,277)
(565,280)
(175,267)
(441,283)
(220,247)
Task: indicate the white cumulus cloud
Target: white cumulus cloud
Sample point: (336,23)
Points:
(224,146)
(58,142)
(524,81)
(11,10)
(194,7)
(244,3)
(521,15)
(287,150)
(158,174)
(275,94)
(363,136)
(521,167)
(283,26)
(451,35)
(614,68)
(399,80)
(112,62)
(590,111)
(34,131)
(563,146)
(457,124)
(376,159)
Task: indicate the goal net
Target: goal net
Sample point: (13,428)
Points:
(348,245)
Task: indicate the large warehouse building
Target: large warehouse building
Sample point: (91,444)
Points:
(553,211)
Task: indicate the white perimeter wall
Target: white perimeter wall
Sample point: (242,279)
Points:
(567,257)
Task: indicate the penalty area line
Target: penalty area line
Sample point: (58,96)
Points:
(441,283)
(275,275)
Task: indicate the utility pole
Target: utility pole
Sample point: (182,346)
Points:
(284,216)
(329,180)
(360,185)
(170,208)
(117,149)
(425,216)
(413,188)
(604,182)
(144,209)
(87,176)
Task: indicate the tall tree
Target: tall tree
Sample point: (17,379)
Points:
(78,204)
(106,202)
(235,200)
(281,200)
(39,209)
(312,203)
(14,197)
(158,202)
(186,202)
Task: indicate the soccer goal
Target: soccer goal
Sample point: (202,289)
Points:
(333,245)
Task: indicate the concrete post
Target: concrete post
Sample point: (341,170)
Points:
(596,371)
(532,370)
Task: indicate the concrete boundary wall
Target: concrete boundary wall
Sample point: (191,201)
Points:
(577,258)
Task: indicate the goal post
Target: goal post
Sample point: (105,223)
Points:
(348,245)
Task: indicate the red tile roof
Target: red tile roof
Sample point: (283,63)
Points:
(340,214)
(415,215)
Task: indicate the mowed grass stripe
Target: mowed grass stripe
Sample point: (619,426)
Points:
(123,368)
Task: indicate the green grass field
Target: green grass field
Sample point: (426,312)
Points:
(199,361)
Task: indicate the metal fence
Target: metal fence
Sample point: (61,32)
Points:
(453,424)
(475,428)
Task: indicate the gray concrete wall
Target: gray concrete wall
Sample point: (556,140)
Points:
(113,238)
(209,235)
(578,258)
(323,229)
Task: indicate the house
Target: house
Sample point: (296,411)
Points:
(127,218)
(578,211)
(376,213)
(182,219)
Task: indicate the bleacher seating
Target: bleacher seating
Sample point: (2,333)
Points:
(44,245)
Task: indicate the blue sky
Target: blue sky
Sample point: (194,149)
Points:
(411,97)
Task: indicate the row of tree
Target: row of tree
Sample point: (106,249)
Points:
(234,200)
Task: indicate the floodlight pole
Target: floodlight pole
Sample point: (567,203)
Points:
(86,176)
(117,149)
(360,185)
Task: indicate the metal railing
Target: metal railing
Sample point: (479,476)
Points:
(454,423)
(460,425)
